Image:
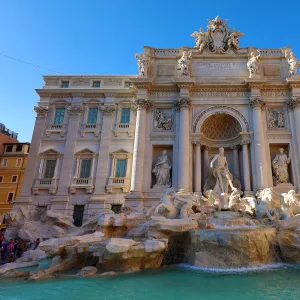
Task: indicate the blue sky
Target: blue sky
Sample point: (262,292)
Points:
(101,37)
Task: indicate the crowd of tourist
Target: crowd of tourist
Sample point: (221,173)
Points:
(12,249)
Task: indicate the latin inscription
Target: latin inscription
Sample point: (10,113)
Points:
(165,70)
(273,94)
(224,94)
(235,69)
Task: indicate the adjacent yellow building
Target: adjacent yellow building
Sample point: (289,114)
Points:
(12,168)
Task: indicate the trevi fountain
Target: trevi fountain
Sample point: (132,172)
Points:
(230,236)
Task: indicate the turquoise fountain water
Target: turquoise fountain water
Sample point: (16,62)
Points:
(178,282)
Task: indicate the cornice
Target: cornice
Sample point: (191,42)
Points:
(255,82)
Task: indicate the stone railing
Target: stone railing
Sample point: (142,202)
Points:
(49,184)
(90,128)
(117,184)
(79,183)
(271,52)
(56,128)
(124,128)
(166,52)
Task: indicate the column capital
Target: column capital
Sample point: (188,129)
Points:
(42,111)
(234,147)
(206,148)
(257,103)
(293,103)
(74,110)
(196,143)
(108,110)
(182,103)
(142,103)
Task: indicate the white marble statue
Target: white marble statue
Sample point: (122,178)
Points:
(184,63)
(142,63)
(280,167)
(293,62)
(166,207)
(253,64)
(219,165)
(175,206)
(202,39)
(291,203)
(162,170)
(233,40)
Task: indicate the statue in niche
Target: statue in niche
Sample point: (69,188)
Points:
(202,39)
(162,170)
(253,64)
(280,167)
(224,178)
(293,62)
(184,63)
(142,63)
(162,121)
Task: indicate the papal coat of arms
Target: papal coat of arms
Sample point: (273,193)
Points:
(218,38)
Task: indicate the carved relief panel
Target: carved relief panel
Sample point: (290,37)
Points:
(276,118)
(163,119)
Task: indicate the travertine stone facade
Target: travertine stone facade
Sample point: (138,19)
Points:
(104,134)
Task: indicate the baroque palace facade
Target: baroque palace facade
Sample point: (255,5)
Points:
(105,141)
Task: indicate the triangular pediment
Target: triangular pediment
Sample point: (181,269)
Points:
(120,151)
(50,152)
(85,151)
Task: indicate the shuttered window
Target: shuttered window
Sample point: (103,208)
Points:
(59,116)
(92,117)
(85,171)
(49,168)
(121,168)
(125,115)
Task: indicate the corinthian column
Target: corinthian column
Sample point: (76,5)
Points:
(198,168)
(246,167)
(294,113)
(65,175)
(236,170)
(32,162)
(183,104)
(257,104)
(103,157)
(139,146)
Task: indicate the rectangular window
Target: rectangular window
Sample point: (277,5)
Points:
(10,197)
(125,115)
(121,168)
(59,116)
(1,178)
(19,148)
(19,162)
(92,116)
(85,171)
(49,168)
(14,178)
(65,84)
(4,162)
(96,84)
(9,148)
